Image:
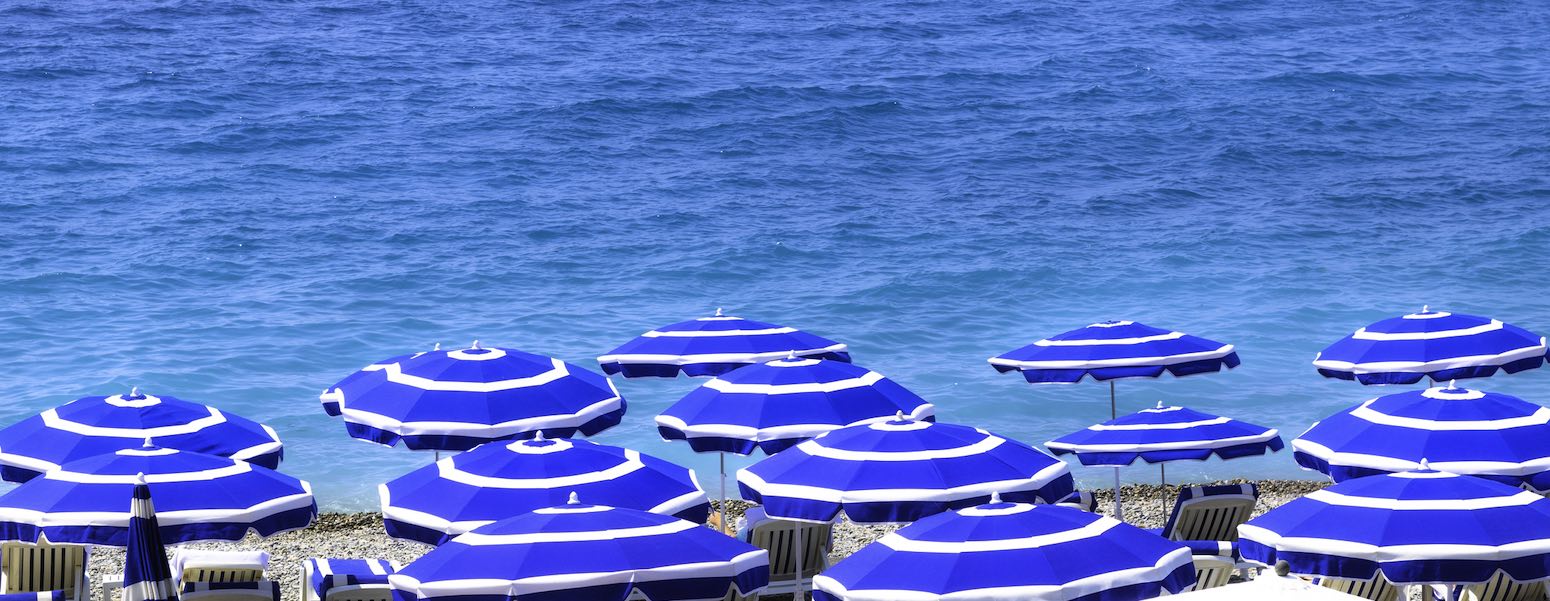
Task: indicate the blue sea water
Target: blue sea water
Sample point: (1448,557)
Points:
(241,202)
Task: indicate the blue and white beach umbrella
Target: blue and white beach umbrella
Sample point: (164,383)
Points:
(772,406)
(103,424)
(1417,527)
(147,575)
(711,346)
(1459,430)
(1115,350)
(504,479)
(1011,552)
(203,497)
(1165,434)
(1435,344)
(579,552)
(456,400)
(900,471)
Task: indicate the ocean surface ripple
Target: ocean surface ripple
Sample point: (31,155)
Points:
(240,202)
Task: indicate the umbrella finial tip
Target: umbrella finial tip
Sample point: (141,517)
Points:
(539,436)
(148,443)
(437,347)
(475,345)
(900,416)
(791,356)
(574,499)
(134,391)
(1425,465)
(995,497)
(1454,384)
(1159,404)
(1426,308)
(718,312)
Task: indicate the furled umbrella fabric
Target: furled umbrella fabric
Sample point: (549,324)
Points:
(1166,434)
(711,346)
(1417,527)
(147,574)
(202,498)
(456,400)
(97,425)
(582,552)
(1458,430)
(772,406)
(1113,350)
(1011,552)
(900,471)
(504,479)
(1431,344)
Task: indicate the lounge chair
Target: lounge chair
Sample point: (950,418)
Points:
(324,579)
(779,538)
(1377,589)
(197,565)
(1502,588)
(44,567)
(1080,499)
(1211,512)
(1215,562)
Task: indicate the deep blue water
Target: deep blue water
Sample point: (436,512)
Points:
(241,202)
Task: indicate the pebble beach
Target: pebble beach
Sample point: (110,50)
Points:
(361,535)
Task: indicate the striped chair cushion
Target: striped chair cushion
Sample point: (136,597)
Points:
(327,573)
(43,596)
(258,591)
(1212,547)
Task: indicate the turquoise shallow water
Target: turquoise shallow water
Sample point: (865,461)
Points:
(240,203)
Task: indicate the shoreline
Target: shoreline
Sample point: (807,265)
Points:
(361,535)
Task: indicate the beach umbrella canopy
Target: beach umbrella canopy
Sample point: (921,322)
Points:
(1435,344)
(771,406)
(147,575)
(1163,434)
(1463,431)
(505,479)
(333,399)
(456,400)
(1115,350)
(711,346)
(578,552)
(1011,552)
(1166,434)
(103,424)
(203,497)
(900,471)
(1417,527)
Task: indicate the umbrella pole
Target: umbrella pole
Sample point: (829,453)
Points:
(1119,513)
(800,551)
(1162,476)
(723,508)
